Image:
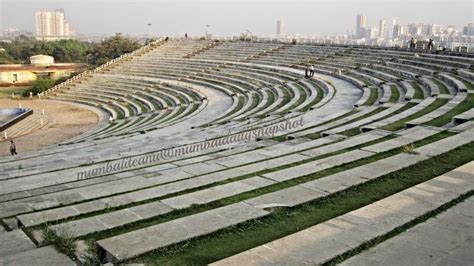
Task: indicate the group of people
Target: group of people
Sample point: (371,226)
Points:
(309,72)
(413,45)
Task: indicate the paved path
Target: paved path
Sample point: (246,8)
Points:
(447,239)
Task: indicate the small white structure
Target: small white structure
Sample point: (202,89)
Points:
(41,60)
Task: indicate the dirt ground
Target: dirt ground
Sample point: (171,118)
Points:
(66,121)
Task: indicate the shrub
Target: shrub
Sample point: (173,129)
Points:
(409,148)
(62,240)
(90,257)
(40,85)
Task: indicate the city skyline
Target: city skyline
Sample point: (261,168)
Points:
(223,17)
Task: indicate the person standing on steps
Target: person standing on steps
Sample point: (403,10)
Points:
(311,71)
(13,147)
(306,72)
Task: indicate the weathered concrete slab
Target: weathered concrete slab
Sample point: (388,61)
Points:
(279,150)
(345,157)
(429,243)
(112,219)
(351,142)
(14,242)
(36,218)
(78,227)
(288,197)
(296,171)
(381,167)
(446,144)
(202,168)
(38,256)
(217,192)
(334,183)
(150,209)
(240,159)
(416,134)
(118,218)
(276,162)
(135,243)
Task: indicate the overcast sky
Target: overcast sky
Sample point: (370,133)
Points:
(230,17)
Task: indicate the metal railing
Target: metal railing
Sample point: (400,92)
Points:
(99,68)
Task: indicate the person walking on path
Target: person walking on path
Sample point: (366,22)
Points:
(306,73)
(13,147)
(311,71)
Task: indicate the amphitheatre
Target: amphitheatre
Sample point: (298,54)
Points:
(379,170)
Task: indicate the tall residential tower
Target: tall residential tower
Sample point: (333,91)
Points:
(382,29)
(360,26)
(281,27)
(51,25)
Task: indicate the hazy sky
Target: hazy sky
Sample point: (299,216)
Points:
(230,17)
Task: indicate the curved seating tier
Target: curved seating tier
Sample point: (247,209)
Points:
(369,118)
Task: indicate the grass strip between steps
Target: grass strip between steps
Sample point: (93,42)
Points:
(462,107)
(280,223)
(317,135)
(395,94)
(220,182)
(243,196)
(428,109)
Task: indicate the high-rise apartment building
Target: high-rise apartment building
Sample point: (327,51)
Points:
(281,27)
(51,25)
(382,28)
(360,26)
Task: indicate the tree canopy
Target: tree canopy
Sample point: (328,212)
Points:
(67,51)
(111,48)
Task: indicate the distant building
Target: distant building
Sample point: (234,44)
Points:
(450,30)
(42,66)
(414,29)
(11,32)
(51,25)
(281,27)
(371,33)
(399,31)
(41,60)
(435,30)
(360,26)
(468,30)
(394,23)
(382,28)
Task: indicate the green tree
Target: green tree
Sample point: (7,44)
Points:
(111,48)
(67,51)
(6,58)
(63,51)
(40,85)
